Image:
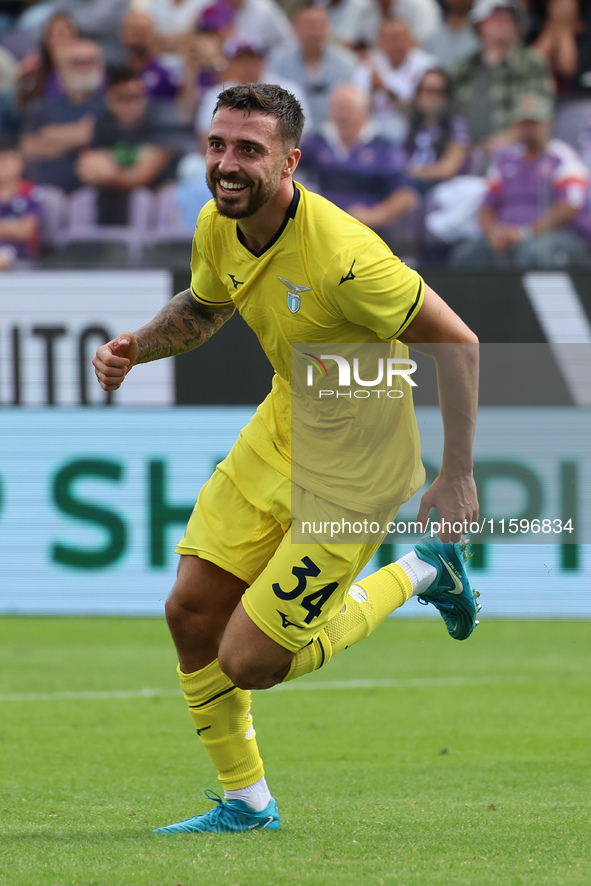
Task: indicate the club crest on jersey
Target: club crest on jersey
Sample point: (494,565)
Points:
(294,291)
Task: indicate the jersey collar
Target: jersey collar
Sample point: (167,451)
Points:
(291,211)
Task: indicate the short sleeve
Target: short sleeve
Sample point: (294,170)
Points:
(570,179)
(374,289)
(206,286)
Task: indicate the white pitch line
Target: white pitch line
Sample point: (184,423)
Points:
(299,686)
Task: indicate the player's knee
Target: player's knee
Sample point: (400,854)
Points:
(173,611)
(244,672)
(237,668)
(184,619)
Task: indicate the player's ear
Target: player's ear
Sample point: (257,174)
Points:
(292,158)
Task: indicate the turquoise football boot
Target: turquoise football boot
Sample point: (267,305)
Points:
(231,816)
(451,592)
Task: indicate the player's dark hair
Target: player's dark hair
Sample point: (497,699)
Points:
(117,74)
(268,98)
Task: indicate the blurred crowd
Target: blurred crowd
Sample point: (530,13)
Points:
(460,131)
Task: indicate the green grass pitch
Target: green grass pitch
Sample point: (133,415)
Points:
(415,760)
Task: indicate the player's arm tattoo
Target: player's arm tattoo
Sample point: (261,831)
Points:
(181,325)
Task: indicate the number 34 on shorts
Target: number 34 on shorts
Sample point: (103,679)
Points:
(295,597)
(312,602)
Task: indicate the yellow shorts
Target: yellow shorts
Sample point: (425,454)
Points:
(241,522)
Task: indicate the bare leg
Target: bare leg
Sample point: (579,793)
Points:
(201,602)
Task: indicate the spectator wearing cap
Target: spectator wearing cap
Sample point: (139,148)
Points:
(245,64)
(454,39)
(19,208)
(536,209)
(315,64)
(351,164)
(392,74)
(163,81)
(489,84)
(57,129)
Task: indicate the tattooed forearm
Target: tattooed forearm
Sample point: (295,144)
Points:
(180,326)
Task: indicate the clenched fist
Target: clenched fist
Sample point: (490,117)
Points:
(114,360)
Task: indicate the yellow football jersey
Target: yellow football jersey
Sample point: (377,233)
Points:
(324,277)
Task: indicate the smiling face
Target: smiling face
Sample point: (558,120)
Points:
(247,162)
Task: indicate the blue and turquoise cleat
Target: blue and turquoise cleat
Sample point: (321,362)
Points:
(232,816)
(451,592)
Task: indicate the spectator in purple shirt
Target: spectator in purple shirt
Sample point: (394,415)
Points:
(162,80)
(355,167)
(436,146)
(536,209)
(19,208)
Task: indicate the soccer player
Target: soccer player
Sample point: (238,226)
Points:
(249,608)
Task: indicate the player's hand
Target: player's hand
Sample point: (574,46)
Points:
(96,167)
(114,360)
(456,499)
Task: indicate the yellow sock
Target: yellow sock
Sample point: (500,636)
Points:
(221,714)
(368,603)
(310,658)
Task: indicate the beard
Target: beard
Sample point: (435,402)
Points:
(91,82)
(259,195)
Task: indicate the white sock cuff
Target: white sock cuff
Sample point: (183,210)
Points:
(421,574)
(256,795)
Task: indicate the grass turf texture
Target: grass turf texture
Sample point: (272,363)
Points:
(473,768)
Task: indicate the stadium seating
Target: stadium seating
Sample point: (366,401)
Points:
(82,224)
(54,215)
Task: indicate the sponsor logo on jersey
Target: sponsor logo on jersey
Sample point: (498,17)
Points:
(236,282)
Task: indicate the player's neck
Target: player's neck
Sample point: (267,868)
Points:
(260,228)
